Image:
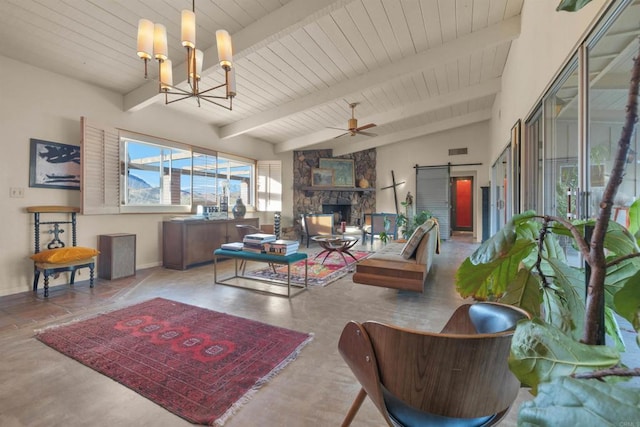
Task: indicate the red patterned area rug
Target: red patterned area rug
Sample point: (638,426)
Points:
(199,364)
(320,273)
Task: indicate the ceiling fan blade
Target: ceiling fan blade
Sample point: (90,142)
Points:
(370,125)
(366,133)
(341,135)
(329,127)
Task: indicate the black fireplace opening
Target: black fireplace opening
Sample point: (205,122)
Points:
(340,213)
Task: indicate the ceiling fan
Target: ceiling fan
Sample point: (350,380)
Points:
(353,128)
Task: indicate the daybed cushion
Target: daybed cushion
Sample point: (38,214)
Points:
(64,255)
(391,252)
(412,244)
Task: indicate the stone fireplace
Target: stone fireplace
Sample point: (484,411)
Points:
(348,204)
(340,213)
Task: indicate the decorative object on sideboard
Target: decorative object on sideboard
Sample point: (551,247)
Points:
(239,209)
(152,39)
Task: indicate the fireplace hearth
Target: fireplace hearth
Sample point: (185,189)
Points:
(341,212)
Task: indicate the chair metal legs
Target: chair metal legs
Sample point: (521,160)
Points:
(355,407)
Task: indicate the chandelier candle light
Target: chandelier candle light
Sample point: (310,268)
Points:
(153,38)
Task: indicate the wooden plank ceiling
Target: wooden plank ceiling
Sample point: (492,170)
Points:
(414,66)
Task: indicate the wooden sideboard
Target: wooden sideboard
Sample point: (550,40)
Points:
(189,243)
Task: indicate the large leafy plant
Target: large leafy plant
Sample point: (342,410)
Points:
(561,354)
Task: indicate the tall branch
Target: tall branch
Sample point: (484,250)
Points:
(595,300)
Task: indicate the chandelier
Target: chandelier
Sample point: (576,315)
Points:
(152,39)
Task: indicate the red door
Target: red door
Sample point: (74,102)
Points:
(462,189)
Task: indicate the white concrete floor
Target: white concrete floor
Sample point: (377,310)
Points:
(41,387)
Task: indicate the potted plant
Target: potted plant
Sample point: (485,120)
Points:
(561,354)
(384,235)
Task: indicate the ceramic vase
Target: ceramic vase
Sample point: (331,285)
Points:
(239,209)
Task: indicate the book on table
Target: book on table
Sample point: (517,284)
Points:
(232,246)
(259,238)
(282,247)
(255,247)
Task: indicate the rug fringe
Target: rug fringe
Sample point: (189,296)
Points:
(262,381)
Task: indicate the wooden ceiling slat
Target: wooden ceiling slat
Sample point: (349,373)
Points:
(432,23)
(364,24)
(354,38)
(399,26)
(337,40)
(412,10)
(94,41)
(380,21)
(292,43)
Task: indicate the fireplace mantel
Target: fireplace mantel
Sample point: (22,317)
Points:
(344,189)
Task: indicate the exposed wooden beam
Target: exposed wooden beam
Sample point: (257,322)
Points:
(285,20)
(455,122)
(503,32)
(446,100)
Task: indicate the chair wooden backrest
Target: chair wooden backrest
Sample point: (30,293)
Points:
(457,373)
(374,225)
(78,257)
(317,225)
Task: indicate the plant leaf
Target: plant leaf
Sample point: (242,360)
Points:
(570,402)
(617,278)
(571,281)
(555,310)
(541,352)
(572,5)
(619,240)
(613,329)
(491,279)
(524,292)
(501,243)
(495,246)
(634,218)
(627,302)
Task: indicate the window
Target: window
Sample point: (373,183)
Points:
(269,184)
(124,172)
(156,175)
(235,179)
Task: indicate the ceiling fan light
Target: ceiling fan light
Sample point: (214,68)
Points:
(225,51)
(160,42)
(188,28)
(145,38)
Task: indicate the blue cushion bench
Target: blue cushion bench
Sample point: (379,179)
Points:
(262,257)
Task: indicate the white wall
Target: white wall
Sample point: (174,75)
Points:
(546,41)
(432,150)
(44,105)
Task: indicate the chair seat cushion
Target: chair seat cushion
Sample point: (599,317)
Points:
(409,416)
(64,255)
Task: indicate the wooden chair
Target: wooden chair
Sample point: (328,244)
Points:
(420,378)
(316,225)
(58,257)
(373,225)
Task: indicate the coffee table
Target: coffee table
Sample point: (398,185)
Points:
(336,243)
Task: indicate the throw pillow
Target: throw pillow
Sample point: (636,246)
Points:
(64,255)
(410,247)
